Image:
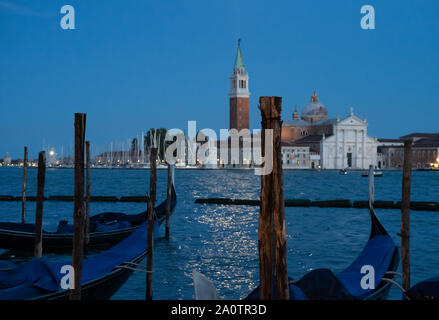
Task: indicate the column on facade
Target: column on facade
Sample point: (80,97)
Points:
(343,161)
(363,155)
(356,148)
(389,158)
(336,148)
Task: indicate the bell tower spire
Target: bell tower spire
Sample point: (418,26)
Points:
(239,94)
(239,62)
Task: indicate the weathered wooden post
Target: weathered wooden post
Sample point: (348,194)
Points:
(151,214)
(272,229)
(405,214)
(87,194)
(38,248)
(168,200)
(265,229)
(78,213)
(23,190)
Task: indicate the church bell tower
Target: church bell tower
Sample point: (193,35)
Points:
(239,94)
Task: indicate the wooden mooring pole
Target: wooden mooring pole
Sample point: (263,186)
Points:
(272,229)
(23,190)
(405,214)
(168,201)
(87,194)
(38,248)
(151,214)
(78,207)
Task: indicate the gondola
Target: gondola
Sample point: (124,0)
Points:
(106,229)
(343,171)
(102,274)
(424,290)
(322,284)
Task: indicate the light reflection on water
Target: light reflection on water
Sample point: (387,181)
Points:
(221,241)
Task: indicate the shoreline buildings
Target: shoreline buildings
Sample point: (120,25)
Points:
(425,151)
(310,140)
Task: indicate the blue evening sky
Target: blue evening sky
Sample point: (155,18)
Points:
(132,65)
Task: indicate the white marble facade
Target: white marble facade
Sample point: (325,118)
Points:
(349,146)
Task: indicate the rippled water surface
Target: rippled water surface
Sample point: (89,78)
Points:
(221,241)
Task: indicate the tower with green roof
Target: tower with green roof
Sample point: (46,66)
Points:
(239,94)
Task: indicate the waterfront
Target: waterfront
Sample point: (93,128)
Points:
(221,241)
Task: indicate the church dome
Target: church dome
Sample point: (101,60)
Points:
(314,111)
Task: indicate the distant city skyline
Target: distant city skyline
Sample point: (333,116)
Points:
(135,66)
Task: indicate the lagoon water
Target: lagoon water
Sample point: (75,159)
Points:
(221,241)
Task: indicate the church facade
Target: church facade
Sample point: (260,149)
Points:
(341,143)
(349,146)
